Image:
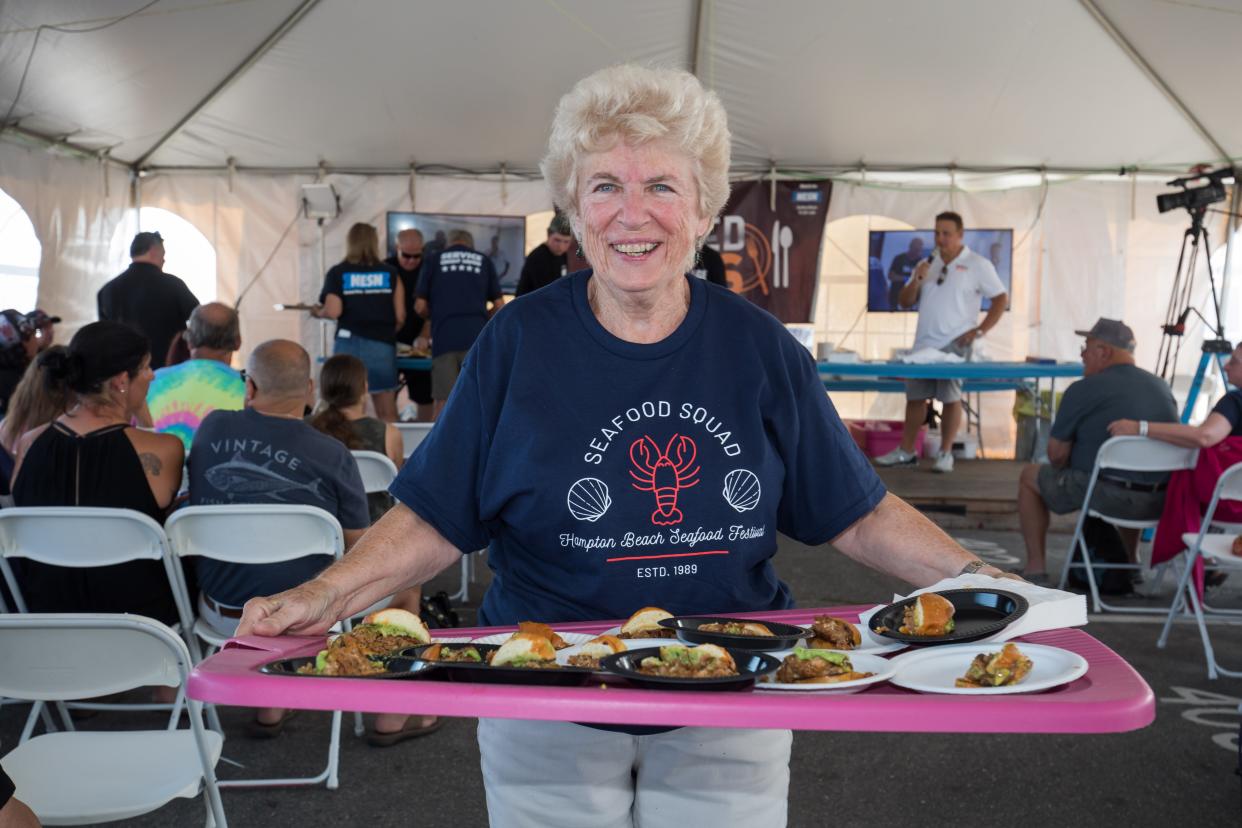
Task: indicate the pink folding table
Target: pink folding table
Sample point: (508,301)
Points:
(1110,698)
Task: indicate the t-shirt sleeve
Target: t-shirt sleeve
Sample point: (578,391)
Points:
(423,289)
(187,299)
(331,284)
(1070,413)
(460,442)
(990,284)
(1230,407)
(353,512)
(829,484)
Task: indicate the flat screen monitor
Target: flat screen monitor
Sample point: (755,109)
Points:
(894,253)
(501,238)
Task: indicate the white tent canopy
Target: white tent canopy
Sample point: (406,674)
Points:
(1016,114)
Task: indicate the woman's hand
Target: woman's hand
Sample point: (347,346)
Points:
(1123,428)
(307,609)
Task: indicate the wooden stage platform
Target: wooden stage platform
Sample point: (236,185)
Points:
(977,494)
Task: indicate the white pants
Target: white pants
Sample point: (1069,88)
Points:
(562,775)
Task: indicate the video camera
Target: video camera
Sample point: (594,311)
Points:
(1196,198)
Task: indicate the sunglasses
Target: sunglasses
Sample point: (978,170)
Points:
(944,272)
(405,255)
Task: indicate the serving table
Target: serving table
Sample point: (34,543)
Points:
(1110,698)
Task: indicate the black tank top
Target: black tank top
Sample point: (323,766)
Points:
(100,468)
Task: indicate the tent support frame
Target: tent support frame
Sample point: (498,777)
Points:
(251,59)
(1154,77)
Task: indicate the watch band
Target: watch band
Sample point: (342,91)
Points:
(971,568)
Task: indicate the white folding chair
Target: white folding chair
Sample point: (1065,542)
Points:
(72,778)
(411,435)
(1137,454)
(258,534)
(376,469)
(1216,552)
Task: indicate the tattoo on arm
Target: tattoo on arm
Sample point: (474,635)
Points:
(150,463)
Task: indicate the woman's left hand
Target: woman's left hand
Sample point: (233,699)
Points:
(1123,428)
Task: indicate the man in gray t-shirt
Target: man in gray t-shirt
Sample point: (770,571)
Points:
(1112,388)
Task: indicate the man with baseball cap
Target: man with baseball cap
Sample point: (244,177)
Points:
(1112,388)
(147,298)
(44,327)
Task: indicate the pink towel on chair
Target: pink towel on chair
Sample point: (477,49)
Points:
(1187,498)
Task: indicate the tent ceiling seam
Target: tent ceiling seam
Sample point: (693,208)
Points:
(1152,75)
(250,60)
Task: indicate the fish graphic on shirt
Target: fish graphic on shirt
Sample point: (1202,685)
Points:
(241,477)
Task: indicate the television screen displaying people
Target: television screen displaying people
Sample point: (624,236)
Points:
(893,255)
(501,238)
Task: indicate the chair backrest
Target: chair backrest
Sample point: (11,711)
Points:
(1143,454)
(376,469)
(80,536)
(412,434)
(1228,487)
(60,656)
(254,533)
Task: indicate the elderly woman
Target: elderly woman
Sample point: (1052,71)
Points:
(650,445)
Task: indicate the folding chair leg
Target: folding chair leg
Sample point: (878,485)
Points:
(1178,600)
(1208,652)
(1069,558)
(359,729)
(329,775)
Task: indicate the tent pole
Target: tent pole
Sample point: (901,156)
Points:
(1153,76)
(250,60)
(1226,275)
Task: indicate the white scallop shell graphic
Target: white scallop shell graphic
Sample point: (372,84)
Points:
(588,499)
(741,490)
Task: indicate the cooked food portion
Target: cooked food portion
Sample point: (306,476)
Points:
(591,652)
(804,666)
(362,651)
(676,661)
(736,628)
(833,634)
(526,650)
(544,630)
(1009,666)
(646,624)
(931,614)
(467,653)
(1235,548)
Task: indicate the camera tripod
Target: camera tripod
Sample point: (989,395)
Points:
(1174,327)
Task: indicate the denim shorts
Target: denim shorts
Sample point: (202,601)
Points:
(379,357)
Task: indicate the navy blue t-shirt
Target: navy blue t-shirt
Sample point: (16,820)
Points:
(366,291)
(1230,407)
(604,476)
(248,457)
(457,284)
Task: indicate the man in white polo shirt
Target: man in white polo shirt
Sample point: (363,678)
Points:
(948,287)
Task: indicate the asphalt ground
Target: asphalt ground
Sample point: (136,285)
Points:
(1178,771)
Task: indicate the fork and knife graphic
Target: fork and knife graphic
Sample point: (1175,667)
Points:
(782,236)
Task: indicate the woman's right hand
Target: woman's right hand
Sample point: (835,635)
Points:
(309,609)
(1123,428)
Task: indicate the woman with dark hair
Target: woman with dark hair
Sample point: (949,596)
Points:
(92,456)
(343,390)
(367,300)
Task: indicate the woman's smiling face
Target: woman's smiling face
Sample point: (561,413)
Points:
(639,211)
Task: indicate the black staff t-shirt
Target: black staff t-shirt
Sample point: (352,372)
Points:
(1230,407)
(366,293)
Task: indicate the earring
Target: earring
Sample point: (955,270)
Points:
(580,254)
(698,257)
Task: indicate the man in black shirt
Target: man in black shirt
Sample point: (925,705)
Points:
(416,332)
(547,262)
(901,268)
(147,298)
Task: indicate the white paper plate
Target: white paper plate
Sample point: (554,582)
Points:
(935,669)
(862,663)
(501,638)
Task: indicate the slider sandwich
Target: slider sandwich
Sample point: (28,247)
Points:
(591,652)
(525,650)
(929,615)
(646,624)
(363,650)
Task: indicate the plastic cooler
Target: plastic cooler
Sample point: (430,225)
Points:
(877,437)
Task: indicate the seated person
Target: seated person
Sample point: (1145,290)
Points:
(32,404)
(92,456)
(1112,387)
(13,812)
(1225,420)
(182,395)
(343,395)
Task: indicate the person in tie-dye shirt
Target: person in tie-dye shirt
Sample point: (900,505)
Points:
(182,395)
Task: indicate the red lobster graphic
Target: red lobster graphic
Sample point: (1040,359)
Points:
(665,477)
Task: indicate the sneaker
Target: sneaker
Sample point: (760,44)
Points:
(944,463)
(897,457)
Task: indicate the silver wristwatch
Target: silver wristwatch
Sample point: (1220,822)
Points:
(971,568)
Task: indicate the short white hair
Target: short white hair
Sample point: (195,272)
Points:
(636,104)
